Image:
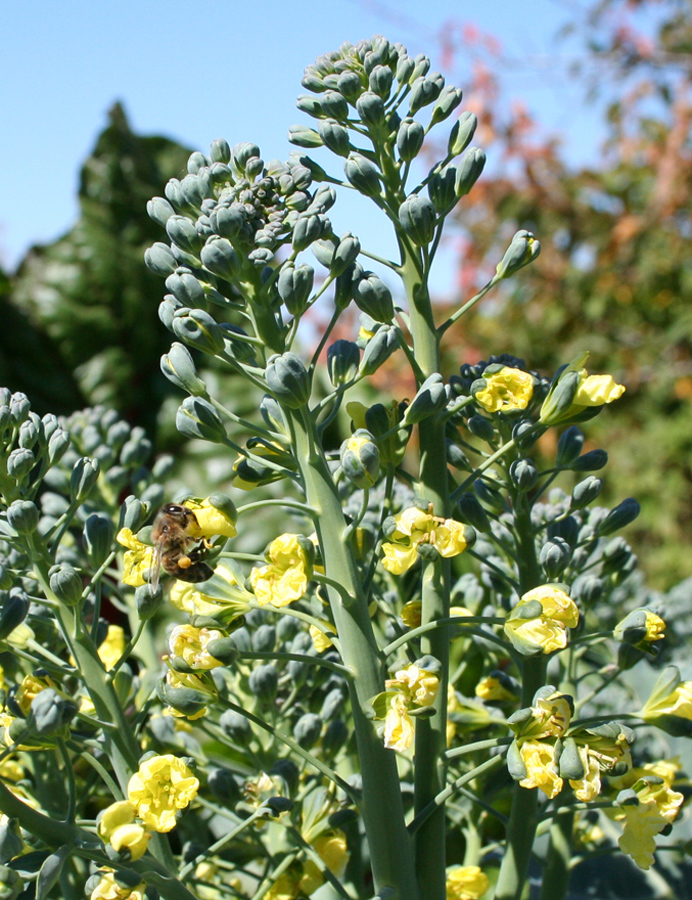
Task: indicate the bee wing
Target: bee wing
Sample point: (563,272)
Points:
(155,569)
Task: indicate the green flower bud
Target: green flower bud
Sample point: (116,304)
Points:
(431,397)
(343,358)
(456,456)
(373,297)
(555,557)
(335,136)
(147,601)
(418,219)
(84,475)
(19,463)
(264,682)
(571,764)
(51,712)
(590,462)
(334,105)
(197,418)
(224,787)
(236,727)
(447,102)
(57,445)
(228,222)
(198,329)
(11,843)
(307,229)
(349,85)
(523,249)
(29,433)
(160,259)
(380,81)
(98,538)
(220,258)
(264,639)
(288,380)
(585,492)
(178,367)
(241,154)
(617,518)
(312,80)
(421,67)
(409,139)
(295,285)
(310,105)
(569,446)
(362,175)
(220,151)
(462,133)
(442,189)
(23,516)
(20,407)
(183,232)
(15,608)
(323,199)
(471,512)
(11,884)
(346,284)
(380,420)
(261,257)
(560,397)
(187,701)
(469,171)
(360,459)
(523,474)
(307,730)
(132,514)
(425,90)
(334,738)
(66,583)
(378,349)
(370,108)
(136,450)
(302,136)
(481,427)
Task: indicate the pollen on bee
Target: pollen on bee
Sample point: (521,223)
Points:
(184,562)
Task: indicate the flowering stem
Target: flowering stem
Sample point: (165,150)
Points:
(456,620)
(557,866)
(298,657)
(382,804)
(223,841)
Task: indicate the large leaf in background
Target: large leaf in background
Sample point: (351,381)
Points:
(30,361)
(90,290)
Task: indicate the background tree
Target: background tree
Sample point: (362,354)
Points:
(90,293)
(614,276)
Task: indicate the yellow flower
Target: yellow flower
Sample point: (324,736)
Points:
(411,613)
(109,889)
(112,648)
(597,390)
(677,703)
(466,883)
(505,390)
(575,390)
(286,578)
(655,627)
(548,631)
(137,559)
(491,689)
(320,636)
(20,636)
(116,826)
(541,767)
(29,688)
(398,725)
(212,521)
(658,806)
(189,599)
(415,527)
(419,686)
(190,644)
(588,787)
(161,786)
(332,850)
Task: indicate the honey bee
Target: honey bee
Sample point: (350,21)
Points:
(177,546)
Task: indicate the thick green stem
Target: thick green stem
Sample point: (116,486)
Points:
(556,874)
(382,806)
(433,487)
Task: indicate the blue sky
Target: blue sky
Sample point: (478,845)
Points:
(200,70)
